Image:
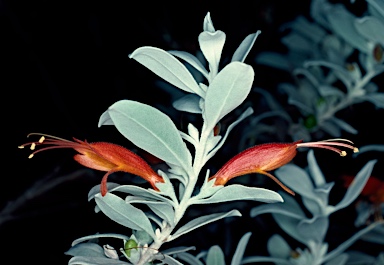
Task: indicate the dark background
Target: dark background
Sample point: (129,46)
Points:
(64,63)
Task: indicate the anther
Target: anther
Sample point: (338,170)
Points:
(343,153)
(21,146)
(30,156)
(33,145)
(355,150)
(42,138)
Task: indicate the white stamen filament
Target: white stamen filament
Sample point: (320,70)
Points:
(328,144)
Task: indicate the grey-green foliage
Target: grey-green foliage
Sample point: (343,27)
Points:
(310,230)
(327,74)
(152,216)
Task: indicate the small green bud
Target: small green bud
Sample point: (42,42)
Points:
(310,121)
(129,245)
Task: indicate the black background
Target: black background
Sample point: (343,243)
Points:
(64,63)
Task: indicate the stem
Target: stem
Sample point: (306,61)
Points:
(349,99)
(198,163)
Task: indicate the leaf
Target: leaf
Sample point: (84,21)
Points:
(277,261)
(130,189)
(342,73)
(327,90)
(346,244)
(244,48)
(215,256)
(227,91)
(86,238)
(289,208)
(312,31)
(166,66)
(87,250)
(355,187)
(123,213)
(331,128)
(275,60)
(376,235)
(96,189)
(342,22)
(314,207)
(289,225)
(170,261)
(287,215)
(192,60)
(178,250)
(163,210)
(371,147)
(244,115)
(297,179)
(376,7)
(149,129)
(314,228)
(203,220)
(314,170)
(371,28)
(339,260)
(188,103)
(193,132)
(375,98)
(211,45)
(208,25)
(343,125)
(166,189)
(189,258)
(237,192)
(278,247)
(240,249)
(297,42)
(95,261)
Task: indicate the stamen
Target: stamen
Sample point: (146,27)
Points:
(48,135)
(338,139)
(328,144)
(54,142)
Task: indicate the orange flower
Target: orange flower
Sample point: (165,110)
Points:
(100,156)
(267,157)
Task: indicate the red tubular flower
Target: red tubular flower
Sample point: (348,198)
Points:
(267,157)
(100,156)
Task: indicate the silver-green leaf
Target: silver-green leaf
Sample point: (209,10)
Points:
(124,213)
(227,91)
(149,129)
(166,66)
(203,220)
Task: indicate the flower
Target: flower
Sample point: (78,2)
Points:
(101,156)
(266,157)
